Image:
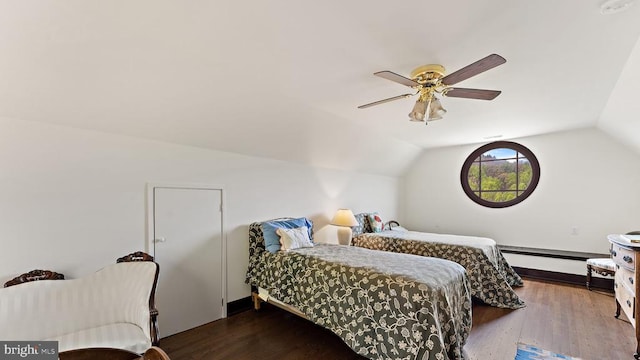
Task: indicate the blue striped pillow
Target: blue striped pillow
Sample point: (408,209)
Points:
(272,240)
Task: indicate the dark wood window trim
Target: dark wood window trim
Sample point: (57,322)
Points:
(521,151)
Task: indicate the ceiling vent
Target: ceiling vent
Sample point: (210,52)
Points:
(615,6)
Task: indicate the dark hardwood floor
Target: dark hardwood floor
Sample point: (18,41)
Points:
(561,318)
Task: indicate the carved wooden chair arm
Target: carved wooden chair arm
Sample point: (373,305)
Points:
(34,275)
(155,341)
(136,256)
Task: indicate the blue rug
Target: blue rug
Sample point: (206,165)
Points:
(530,352)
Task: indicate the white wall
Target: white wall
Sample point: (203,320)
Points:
(619,118)
(73,200)
(588,181)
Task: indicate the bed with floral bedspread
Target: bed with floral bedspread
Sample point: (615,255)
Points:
(383,305)
(491,279)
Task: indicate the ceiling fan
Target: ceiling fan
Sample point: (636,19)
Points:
(429,80)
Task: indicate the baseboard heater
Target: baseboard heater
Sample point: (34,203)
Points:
(551,253)
(597,282)
(573,279)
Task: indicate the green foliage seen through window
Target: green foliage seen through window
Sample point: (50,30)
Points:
(500,175)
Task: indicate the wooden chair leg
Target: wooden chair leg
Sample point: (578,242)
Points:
(589,270)
(256,300)
(155,353)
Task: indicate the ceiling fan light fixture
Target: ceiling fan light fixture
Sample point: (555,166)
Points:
(419,111)
(429,80)
(436,111)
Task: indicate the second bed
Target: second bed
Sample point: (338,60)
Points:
(491,278)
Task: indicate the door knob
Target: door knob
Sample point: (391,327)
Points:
(159,240)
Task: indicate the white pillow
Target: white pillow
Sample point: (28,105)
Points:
(398,228)
(294,238)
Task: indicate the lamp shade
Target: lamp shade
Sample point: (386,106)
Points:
(436,111)
(419,110)
(344,217)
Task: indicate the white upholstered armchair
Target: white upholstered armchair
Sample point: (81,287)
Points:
(113,307)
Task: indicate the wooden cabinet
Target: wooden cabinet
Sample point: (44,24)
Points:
(625,255)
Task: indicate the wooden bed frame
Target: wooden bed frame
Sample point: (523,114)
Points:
(257,302)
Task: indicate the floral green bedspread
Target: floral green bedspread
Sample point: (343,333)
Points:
(491,279)
(383,305)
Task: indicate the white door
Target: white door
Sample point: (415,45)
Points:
(187,233)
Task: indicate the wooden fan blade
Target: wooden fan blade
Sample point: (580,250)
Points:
(384,101)
(472,93)
(390,75)
(474,69)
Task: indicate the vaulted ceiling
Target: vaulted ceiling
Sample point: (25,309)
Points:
(282,79)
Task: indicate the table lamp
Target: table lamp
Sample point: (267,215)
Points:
(345,220)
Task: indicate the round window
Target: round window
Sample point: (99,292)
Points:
(500,174)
